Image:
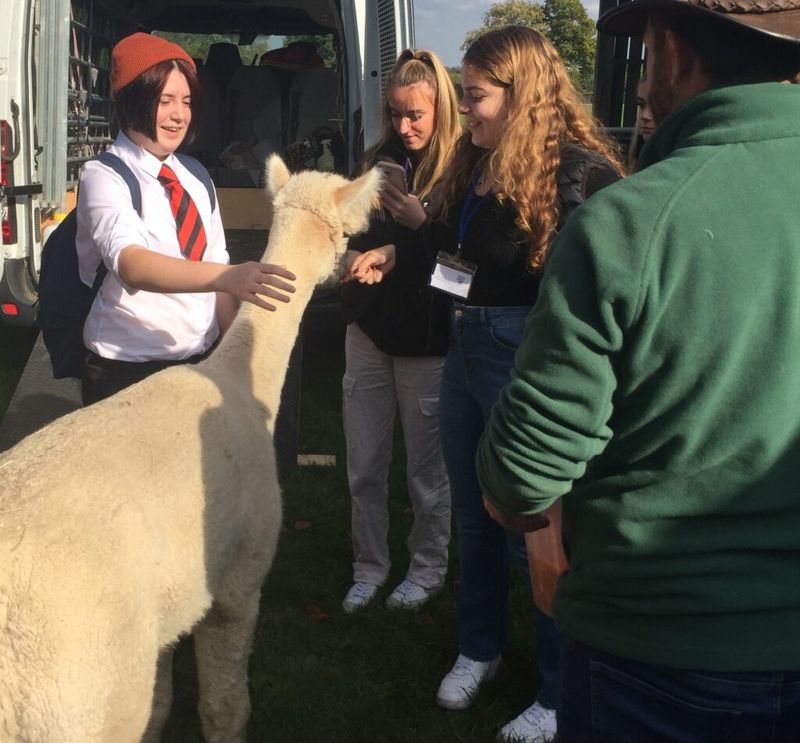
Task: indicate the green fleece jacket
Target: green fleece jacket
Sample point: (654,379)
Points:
(664,353)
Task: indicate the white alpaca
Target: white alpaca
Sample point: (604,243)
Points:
(155,513)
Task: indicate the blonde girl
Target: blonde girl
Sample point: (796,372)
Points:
(394,353)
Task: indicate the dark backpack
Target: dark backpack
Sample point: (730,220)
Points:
(64,300)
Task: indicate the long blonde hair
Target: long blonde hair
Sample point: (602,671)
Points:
(415,66)
(544,112)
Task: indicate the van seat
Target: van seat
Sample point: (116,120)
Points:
(208,135)
(313,102)
(253,105)
(223,59)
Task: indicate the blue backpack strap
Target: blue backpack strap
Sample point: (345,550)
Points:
(198,170)
(116,164)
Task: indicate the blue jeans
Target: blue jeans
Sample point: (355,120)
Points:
(607,699)
(478,364)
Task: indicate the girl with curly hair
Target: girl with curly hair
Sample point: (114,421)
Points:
(530,154)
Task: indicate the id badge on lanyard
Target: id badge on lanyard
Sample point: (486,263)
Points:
(451,273)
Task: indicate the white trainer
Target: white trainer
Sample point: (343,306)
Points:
(461,684)
(536,724)
(410,595)
(359,595)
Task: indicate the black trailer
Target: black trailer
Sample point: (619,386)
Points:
(618,64)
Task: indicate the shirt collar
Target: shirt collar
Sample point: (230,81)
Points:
(148,162)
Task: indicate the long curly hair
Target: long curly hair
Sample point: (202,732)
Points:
(545,112)
(415,66)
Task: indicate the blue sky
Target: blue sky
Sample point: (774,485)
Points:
(441,25)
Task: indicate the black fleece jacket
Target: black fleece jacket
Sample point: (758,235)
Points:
(399,315)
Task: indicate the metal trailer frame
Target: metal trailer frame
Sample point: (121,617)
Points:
(618,65)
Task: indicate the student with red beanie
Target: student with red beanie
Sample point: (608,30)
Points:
(169,291)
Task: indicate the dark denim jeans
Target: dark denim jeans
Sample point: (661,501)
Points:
(607,699)
(478,364)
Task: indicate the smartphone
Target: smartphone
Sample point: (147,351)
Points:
(394,173)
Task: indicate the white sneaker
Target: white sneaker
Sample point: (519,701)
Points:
(536,724)
(410,595)
(459,687)
(359,595)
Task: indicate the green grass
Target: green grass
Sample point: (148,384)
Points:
(15,346)
(320,676)
(316,674)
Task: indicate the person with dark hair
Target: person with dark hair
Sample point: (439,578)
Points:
(645,125)
(394,352)
(657,393)
(169,291)
(529,156)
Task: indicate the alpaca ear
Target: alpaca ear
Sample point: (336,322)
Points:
(356,199)
(277,175)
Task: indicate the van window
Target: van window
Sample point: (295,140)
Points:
(268,93)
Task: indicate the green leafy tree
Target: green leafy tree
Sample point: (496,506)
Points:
(509,13)
(564,22)
(573,34)
(455,76)
(196,44)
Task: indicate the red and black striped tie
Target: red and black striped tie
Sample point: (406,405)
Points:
(191,233)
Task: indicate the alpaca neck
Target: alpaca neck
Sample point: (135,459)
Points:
(259,343)
(271,337)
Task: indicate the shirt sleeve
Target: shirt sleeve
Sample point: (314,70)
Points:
(106,213)
(553,415)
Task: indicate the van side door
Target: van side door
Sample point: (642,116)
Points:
(378,30)
(19,181)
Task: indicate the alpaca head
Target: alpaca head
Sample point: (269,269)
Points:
(313,213)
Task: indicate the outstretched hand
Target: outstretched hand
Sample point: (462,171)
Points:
(405,208)
(371,266)
(249,282)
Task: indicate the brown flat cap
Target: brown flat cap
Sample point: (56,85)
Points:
(777,18)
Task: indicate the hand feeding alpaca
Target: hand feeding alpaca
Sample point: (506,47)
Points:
(155,513)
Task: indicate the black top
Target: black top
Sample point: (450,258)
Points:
(398,314)
(494,243)
(403,316)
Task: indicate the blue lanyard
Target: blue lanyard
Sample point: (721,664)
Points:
(468,214)
(407,167)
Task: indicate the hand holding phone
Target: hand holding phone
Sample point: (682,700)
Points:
(394,174)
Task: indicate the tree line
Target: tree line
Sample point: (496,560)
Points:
(564,22)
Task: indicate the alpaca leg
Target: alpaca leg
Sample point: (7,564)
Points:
(223,641)
(162,697)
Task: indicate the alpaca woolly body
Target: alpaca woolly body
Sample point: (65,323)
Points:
(124,524)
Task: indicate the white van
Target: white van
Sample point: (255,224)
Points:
(301,77)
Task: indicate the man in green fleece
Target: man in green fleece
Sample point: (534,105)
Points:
(657,391)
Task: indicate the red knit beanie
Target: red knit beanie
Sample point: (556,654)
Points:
(138,52)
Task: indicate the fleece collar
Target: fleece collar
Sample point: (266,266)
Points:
(727,115)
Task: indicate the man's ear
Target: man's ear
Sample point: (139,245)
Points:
(683,64)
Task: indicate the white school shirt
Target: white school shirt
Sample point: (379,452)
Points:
(130,324)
